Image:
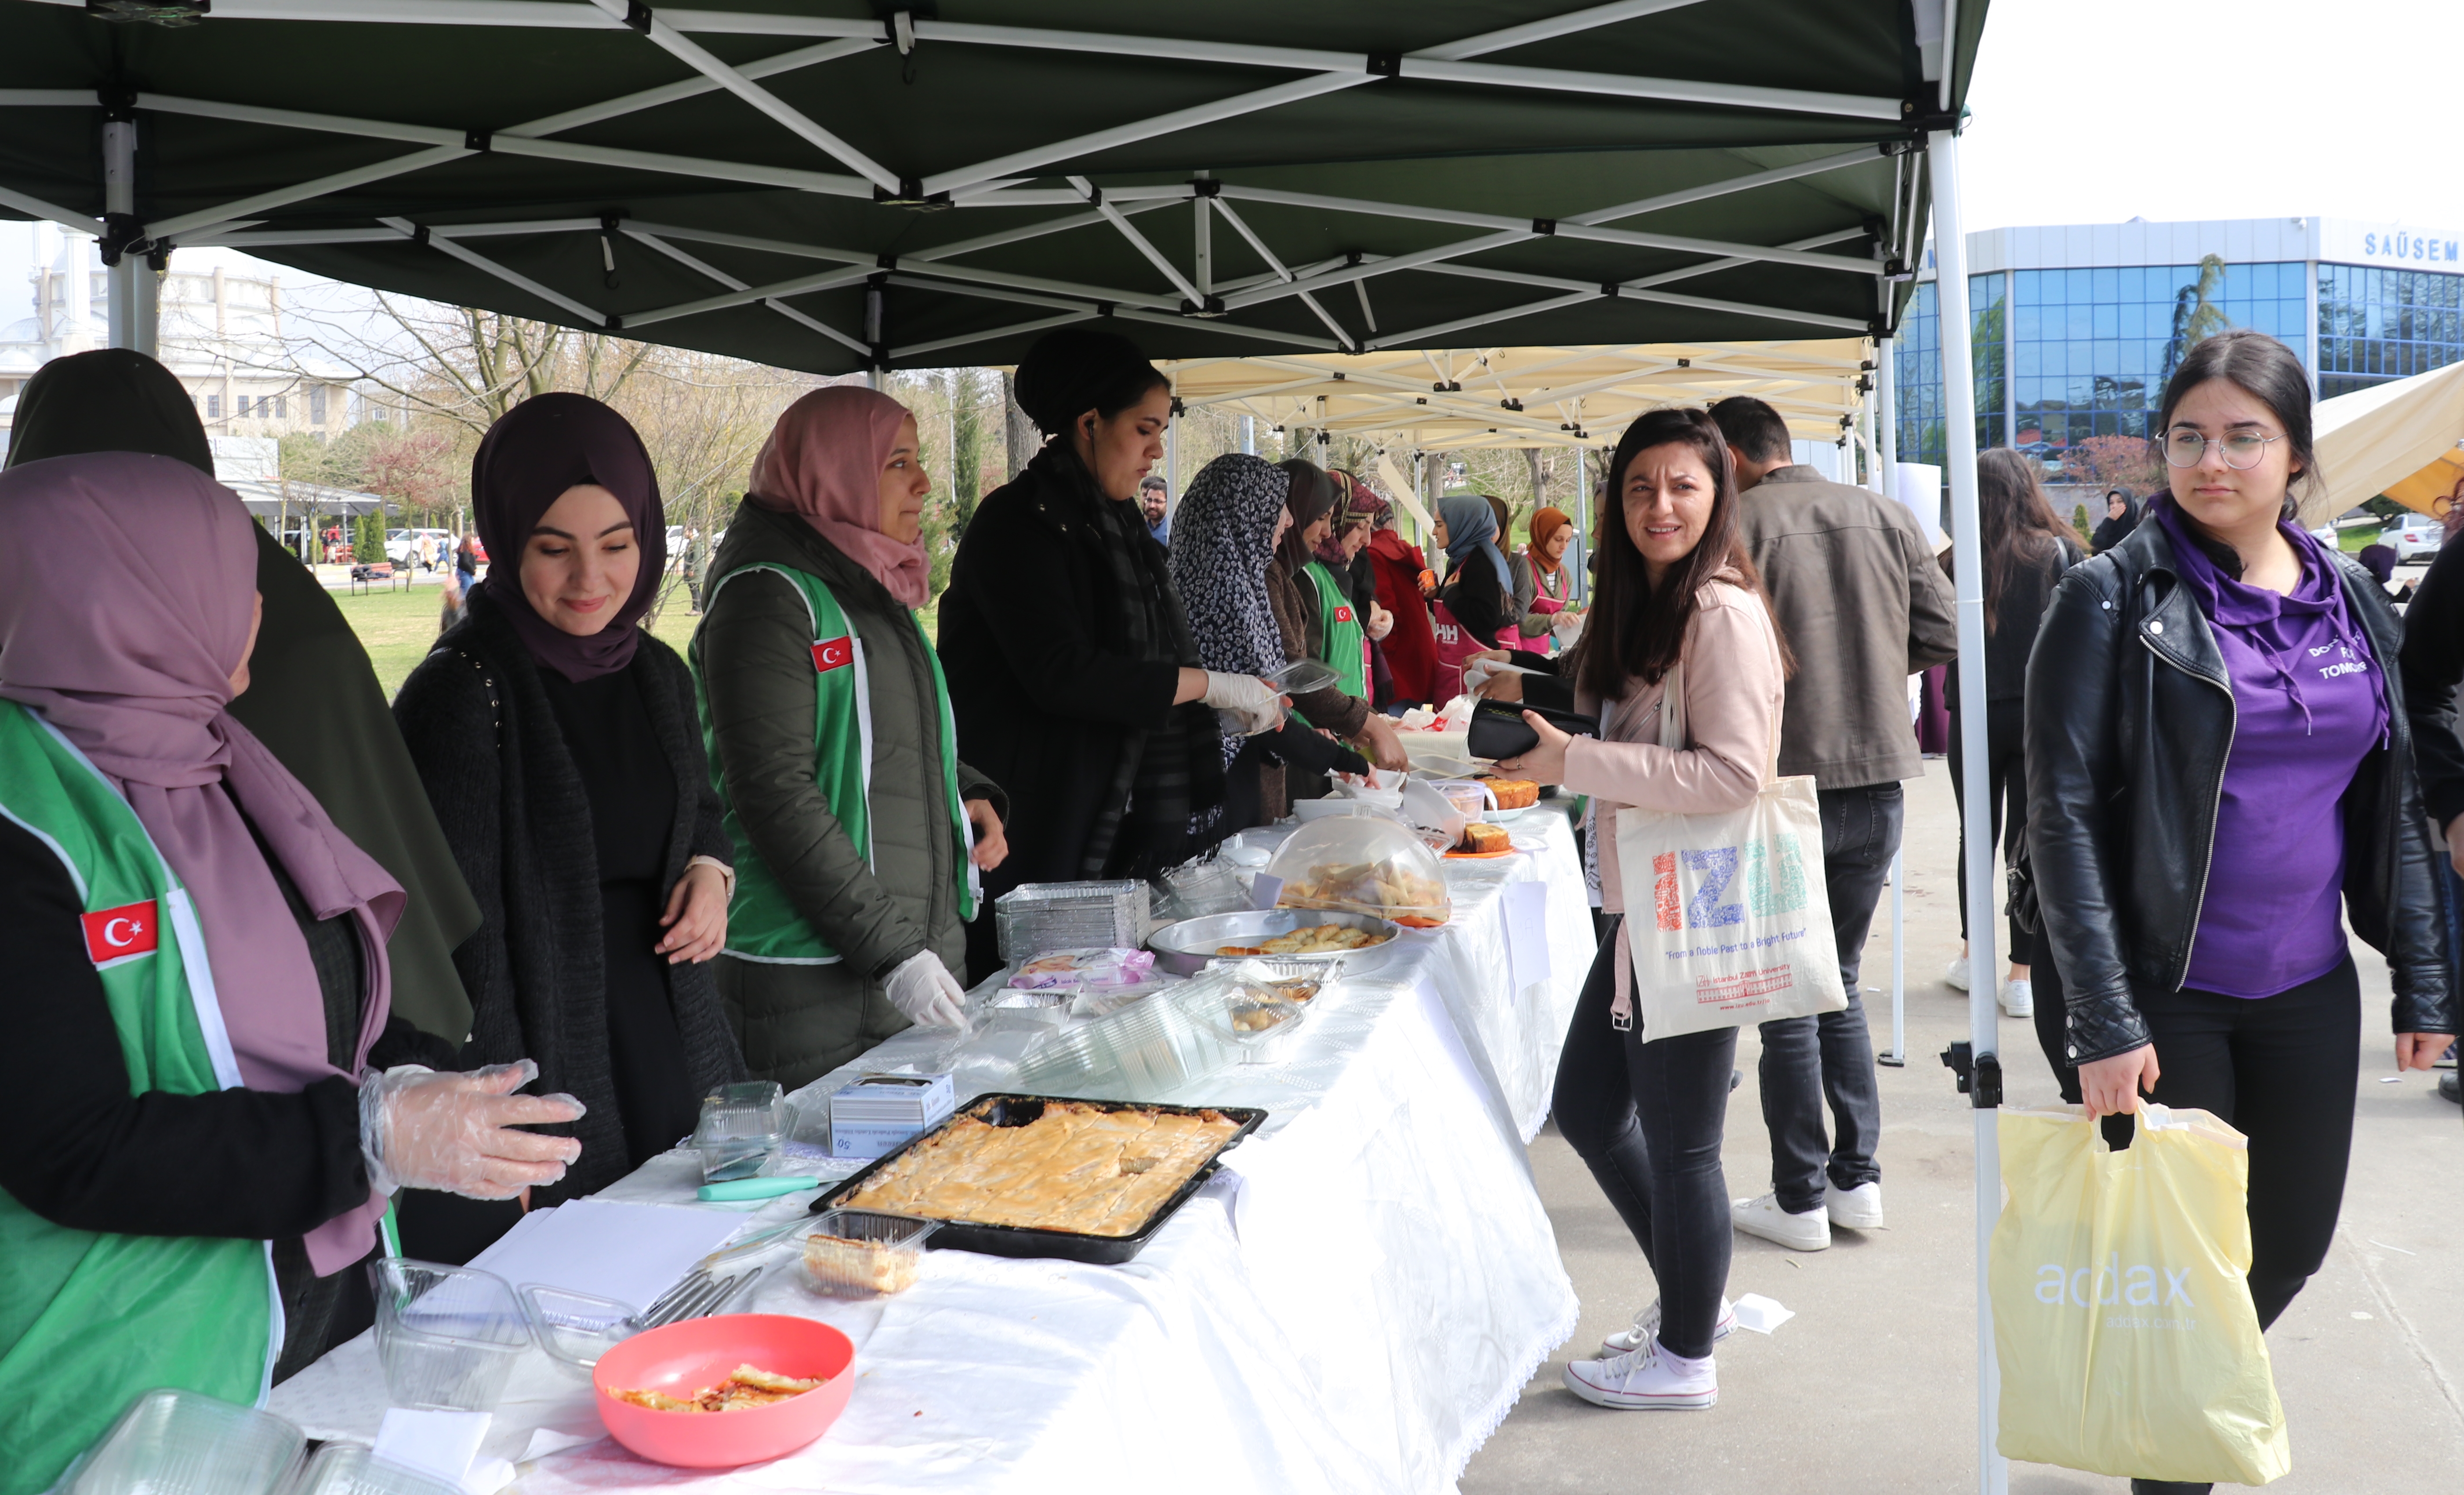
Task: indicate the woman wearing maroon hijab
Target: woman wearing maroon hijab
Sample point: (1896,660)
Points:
(556,739)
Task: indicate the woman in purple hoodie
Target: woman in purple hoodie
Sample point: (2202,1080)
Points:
(2220,775)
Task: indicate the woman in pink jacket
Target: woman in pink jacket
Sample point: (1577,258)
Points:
(1644,1113)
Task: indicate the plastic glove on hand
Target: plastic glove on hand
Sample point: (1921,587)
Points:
(1246,696)
(922,987)
(454,1133)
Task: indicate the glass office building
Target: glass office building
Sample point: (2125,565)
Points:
(2075,329)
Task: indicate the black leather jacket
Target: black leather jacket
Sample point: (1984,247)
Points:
(2130,719)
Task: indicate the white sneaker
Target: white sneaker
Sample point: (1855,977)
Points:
(1859,1208)
(1646,1328)
(1646,1379)
(1763,1217)
(1956,978)
(2019,998)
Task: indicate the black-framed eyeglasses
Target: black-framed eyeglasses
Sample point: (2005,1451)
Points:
(2243,450)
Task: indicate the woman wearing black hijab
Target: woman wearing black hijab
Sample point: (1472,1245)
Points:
(559,744)
(313,699)
(1073,679)
(2120,517)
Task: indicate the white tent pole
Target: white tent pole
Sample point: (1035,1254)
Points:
(1886,458)
(1967,562)
(127,303)
(1887,416)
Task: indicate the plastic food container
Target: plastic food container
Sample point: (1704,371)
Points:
(1255,1021)
(447,1335)
(184,1443)
(575,1328)
(743,1126)
(1362,864)
(861,1253)
(1292,981)
(682,1358)
(1086,968)
(1301,677)
(354,1469)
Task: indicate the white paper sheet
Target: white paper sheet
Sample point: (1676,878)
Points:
(628,1252)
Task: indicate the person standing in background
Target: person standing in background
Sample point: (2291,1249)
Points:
(2027,550)
(1543,584)
(1410,646)
(1859,599)
(2120,517)
(691,565)
(1155,502)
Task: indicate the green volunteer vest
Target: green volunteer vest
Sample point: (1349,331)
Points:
(88,1320)
(762,923)
(1346,649)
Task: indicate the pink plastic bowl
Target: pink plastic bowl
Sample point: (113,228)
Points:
(683,1358)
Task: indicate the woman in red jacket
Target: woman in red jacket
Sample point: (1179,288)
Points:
(1411,648)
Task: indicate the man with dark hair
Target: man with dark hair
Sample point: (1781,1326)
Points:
(1154,494)
(1864,604)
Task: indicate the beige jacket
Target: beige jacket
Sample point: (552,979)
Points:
(1735,693)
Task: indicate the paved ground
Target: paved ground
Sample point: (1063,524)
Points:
(1871,1386)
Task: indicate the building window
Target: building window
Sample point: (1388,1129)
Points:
(280,407)
(213,407)
(315,405)
(1916,370)
(2376,325)
(2091,349)
(243,408)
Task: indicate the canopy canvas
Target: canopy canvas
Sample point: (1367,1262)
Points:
(827,187)
(2398,438)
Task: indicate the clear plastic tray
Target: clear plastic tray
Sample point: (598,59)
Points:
(448,1336)
(1362,864)
(742,1127)
(185,1442)
(1140,1053)
(354,1469)
(575,1328)
(864,1253)
(1301,677)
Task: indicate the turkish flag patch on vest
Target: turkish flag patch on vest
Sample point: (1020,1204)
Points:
(123,934)
(833,654)
(1342,614)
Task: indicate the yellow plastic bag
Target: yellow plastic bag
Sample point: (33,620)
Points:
(2122,1313)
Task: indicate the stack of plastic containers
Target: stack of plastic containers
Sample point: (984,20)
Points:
(1036,917)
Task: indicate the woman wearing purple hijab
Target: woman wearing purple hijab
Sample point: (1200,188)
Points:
(197,979)
(2220,777)
(559,743)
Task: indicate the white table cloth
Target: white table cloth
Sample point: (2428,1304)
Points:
(1352,1303)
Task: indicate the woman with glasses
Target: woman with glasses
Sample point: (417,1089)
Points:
(2220,775)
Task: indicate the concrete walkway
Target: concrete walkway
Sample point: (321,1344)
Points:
(1871,1387)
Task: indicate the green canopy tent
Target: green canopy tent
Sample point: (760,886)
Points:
(832,185)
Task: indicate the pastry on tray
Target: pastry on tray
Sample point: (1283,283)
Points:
(1514,794)
(1480,836)
(1078,1168)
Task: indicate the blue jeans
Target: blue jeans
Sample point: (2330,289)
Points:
(1807,1061)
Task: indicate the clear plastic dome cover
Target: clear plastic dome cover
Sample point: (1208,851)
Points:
(1361,864)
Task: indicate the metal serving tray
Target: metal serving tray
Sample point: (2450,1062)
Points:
(1017,1111)
(1190,946)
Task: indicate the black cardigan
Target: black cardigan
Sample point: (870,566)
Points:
(505,789)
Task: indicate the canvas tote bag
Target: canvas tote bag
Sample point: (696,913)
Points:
(1737,928)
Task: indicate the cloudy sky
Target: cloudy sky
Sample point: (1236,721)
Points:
(2096,111)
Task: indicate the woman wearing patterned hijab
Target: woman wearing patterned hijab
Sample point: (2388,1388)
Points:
(1232,521)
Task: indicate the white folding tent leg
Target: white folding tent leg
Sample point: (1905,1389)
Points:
(131,301)
(1967,562)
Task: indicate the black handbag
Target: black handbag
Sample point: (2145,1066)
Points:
(1499,731)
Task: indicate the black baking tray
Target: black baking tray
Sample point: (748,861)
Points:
(1017,1111)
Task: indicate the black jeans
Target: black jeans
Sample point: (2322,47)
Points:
(1808,1059)
(2280,1070)
(2005,765)
(1646,1115)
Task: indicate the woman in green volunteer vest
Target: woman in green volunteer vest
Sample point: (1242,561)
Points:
(197,982)
(1319,622)
(858,834)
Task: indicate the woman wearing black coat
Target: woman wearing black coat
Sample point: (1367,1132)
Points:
(558,743)
(1072,676)
(2120,517)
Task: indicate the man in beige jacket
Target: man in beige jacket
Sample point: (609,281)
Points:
(1863,604)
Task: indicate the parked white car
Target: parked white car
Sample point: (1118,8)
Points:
(402,546)
(2413,536)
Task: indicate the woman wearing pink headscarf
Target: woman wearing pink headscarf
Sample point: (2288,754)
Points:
(199,1145)
(858,834)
